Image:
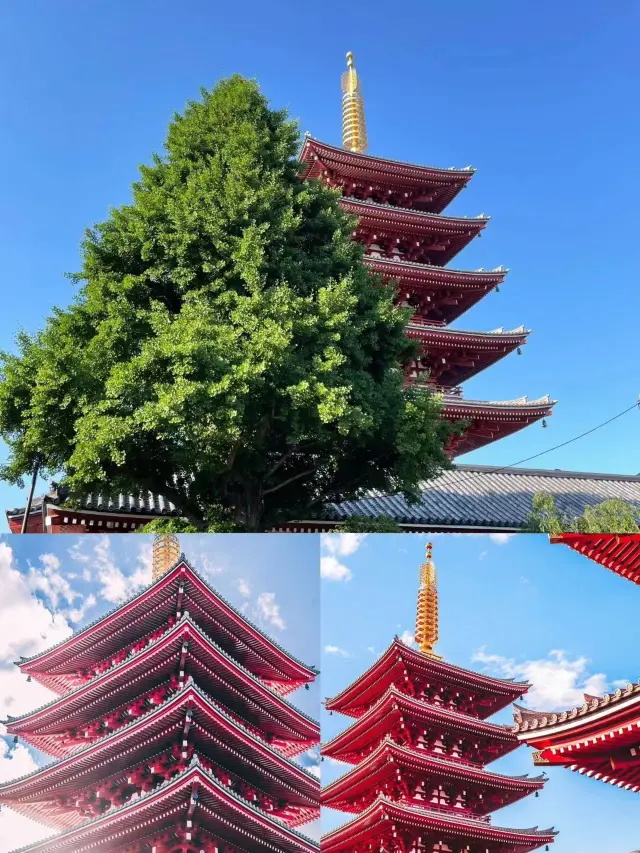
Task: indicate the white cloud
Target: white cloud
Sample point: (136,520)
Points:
(14,828)
(558,683)
(244,588)
(407,638)
(28,626)
(115,585)
(77,615)
(270,611)
(333,570)
(371,649)
(48,580)
(342,544)
(501,538)
(336,650)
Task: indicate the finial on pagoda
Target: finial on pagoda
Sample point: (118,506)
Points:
(354,129)
(166,553)
(427,612)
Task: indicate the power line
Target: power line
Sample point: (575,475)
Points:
(636,405)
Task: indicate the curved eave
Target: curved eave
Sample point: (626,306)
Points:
(480,341)
(500,409)
(389,756)
(240,822)
(617,713)
(391,703)
(449,825)
(103,629)
(136,668)
(129,739)
(504,690)
(619,553)
(392,170)
(441,276)
(414,221)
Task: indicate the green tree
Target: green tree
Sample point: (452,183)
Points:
(614,516)
(227,348)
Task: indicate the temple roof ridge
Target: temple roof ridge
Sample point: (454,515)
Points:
(454,716)
(181,778)
(185,619)
(465,170)
(398,644)
(526,719)
(483,217)
(177,698)
(155,583)
(517,401)
(387,743)
(382,800)
(446,269)
(519,330)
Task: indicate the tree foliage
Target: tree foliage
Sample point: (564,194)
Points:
(227,348)
(614,516)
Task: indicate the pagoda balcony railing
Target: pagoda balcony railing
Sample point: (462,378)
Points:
(446,391)
(449,810)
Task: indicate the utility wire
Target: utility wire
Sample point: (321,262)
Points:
(570,441)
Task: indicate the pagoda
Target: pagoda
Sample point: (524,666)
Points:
(418,750)
(399,209)
(170,730)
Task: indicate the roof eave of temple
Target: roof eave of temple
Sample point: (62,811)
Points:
(446,274)
(507,687)
(531,725)
(194,773)
(390,167)
(382,808)
(17,724)
(394,698)
(63,648)
(437,221)
(190,696)
(462,337)
(619,553)
(390,754)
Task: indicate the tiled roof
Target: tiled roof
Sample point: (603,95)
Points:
(475,496)
(486,497)
(527,720)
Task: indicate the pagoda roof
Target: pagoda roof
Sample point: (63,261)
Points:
(391,707)
(385,218)
(619,552)
(595,713)
(217,808)
(384,761)
(211,730)
(491,419)
(124,682)
(455,355)
(318,156)
(383,816)
(149,609)
(599,739)
(493,693)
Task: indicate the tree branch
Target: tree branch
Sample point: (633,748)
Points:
(290,480)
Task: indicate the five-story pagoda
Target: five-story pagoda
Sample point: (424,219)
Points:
(170,730)
(419,746)
(409,239)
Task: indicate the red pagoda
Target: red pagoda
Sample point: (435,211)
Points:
(419,746)
(410,240)
(170,730)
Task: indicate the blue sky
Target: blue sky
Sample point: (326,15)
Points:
(510,606)
(540,98)
(55,585)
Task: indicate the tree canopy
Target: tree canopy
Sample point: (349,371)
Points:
(614,516)
(227,347)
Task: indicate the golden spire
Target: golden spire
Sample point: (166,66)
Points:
(427,611)
(166,553)
(354,130)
